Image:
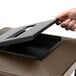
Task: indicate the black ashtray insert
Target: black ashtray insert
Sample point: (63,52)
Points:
(37,49)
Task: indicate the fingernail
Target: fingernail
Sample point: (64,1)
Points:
(58,21)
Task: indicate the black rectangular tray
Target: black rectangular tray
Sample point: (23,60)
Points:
(36,49)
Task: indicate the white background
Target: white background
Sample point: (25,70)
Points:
(14,13)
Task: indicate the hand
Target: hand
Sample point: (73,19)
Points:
(67,19)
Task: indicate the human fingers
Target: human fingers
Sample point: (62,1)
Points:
(62,16)
(73,27)
(65,23)
(70,25)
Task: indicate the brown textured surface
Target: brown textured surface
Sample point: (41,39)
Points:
(56,64)
(6,74)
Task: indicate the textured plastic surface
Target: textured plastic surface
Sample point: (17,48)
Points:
(24,33)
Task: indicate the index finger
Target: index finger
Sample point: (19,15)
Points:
(62,16)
